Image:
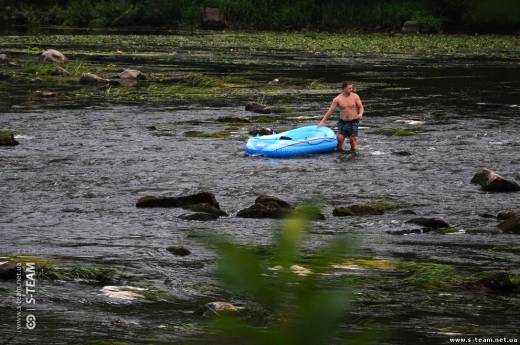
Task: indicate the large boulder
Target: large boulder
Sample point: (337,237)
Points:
(266,206)
(511,224)
(180,201)
(258,108)
(7,139)
(356,210)
(52,56)
(492,182)
(213,18)
(431,223)
(132,74)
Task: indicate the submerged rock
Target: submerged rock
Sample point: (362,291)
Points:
(200,216)
(503,215)
(180,201)
(492,182)
(258,108)
(132,74)
(7,139)
(218,308)
(511,224)
(179,250)
(205,208)
(499,282)
(8,270)
(432,223)
(3,58)
(266,206)
(52,56)
(356,210)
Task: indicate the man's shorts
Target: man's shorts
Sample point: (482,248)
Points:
(348,128)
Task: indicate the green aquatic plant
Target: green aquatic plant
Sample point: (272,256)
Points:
(432,275)
(303,307)
(202,134)
(394,132)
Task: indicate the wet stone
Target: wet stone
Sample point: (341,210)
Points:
(266,206)
(8,270)
(179,250)
(260,131)
(432,223)
(492,182)
(52,56)
(45,94)
(258,108)
(7,139)
(511,224)
(356,210)
(180,201)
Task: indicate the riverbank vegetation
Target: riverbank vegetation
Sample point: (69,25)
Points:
(378,15)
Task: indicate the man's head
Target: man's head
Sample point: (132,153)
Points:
(346,87)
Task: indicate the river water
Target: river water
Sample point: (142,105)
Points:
(69,191)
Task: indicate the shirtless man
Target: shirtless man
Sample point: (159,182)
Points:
(349,104)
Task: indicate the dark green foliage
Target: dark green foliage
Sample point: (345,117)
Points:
(464,15)
(303,307)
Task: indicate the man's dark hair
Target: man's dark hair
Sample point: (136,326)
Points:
(345,83)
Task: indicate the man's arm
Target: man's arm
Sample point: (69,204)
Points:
(332,107)
(360,106)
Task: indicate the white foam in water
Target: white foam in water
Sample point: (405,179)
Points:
(26,137)
(377,153)
(125,292)
(412,122)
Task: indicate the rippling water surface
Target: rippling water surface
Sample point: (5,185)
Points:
(69,191)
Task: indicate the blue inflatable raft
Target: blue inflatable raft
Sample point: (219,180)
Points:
(296,142)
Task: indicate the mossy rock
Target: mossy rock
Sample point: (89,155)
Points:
(371,264)
(448,230)
(267,206)
(497,282)
(431,275)
(202,134)
(7,138)
(511,225)
(384,205)
(99,275)
(394,132)
(357,210)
